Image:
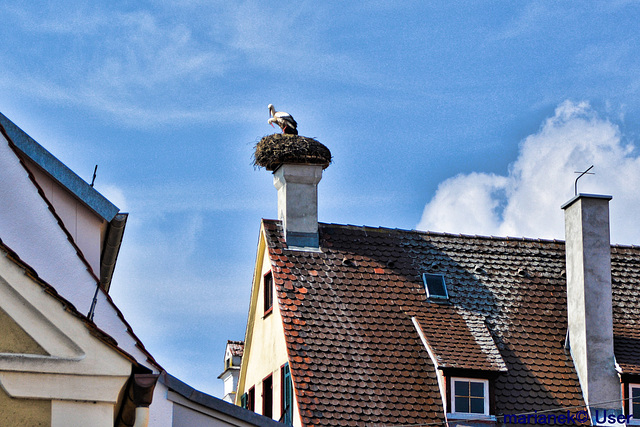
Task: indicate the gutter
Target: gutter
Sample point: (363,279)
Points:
(111,248)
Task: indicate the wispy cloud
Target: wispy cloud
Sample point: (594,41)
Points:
(150,66)
(524,23)
(526,201)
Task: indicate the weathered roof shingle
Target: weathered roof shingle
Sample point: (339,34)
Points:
(356,356)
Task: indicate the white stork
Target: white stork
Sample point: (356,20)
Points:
(283,120)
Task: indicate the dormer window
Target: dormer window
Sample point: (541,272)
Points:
(469,396)
(435,286)
(268,293)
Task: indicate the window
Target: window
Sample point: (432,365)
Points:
(435,286)
(267,397)
(634,403)
(469,396)
(251,399)
(286,398)
(268,293)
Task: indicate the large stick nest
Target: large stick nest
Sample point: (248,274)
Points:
(277,149)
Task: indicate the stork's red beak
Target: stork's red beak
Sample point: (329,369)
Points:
(272,125)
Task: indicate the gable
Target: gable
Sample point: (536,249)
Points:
(71,359)
(265,351)
(30,226)
(14,339)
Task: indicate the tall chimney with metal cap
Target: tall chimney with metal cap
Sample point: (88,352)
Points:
(589,305)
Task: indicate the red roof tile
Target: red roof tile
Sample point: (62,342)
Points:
(459,339)
(236,347)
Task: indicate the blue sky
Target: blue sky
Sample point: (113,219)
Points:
(465,117)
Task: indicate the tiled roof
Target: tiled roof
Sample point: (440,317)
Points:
(625,275)
(356,357)
(236,347)
(459,338)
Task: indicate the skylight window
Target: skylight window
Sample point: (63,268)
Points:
(435,286)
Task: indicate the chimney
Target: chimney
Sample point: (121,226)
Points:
(297,163)
(297,186)
(589,306)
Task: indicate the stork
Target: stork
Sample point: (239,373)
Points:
(283,120)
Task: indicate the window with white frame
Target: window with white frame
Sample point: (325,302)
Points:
(469,396)
(634,403)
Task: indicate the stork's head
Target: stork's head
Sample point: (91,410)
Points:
(272,109)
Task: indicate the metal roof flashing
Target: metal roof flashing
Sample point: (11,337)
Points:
(59,171)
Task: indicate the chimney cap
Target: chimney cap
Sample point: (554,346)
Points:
(585,196)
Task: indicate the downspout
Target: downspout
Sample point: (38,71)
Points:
(111,248)
(138,397)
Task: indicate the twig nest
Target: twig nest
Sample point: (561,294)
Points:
(277,149)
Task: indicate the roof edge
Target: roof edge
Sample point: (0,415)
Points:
(215,403)
(58,170)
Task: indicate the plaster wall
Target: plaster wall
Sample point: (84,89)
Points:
(161,409)
(66,413)
(589,304)
(14,339)
(24,412)
(62,369)
(188,417)
(297,186)
(268,350)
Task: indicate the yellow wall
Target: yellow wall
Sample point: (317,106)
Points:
(20,412)
(265,348)
(14,339)
(24,412)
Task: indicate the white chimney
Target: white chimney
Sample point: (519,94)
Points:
(589,306)
(297,186)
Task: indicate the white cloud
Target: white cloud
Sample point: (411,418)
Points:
(115,195)
(526,202)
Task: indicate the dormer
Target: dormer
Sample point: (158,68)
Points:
(466,358)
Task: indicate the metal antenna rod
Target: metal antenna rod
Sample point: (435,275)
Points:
(93,180)
(575,186)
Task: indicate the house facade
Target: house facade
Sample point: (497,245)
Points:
(390,327)
(232,359)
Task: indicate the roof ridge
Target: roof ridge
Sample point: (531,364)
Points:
(442,233)
(60,172)
(51,208)
(449,234)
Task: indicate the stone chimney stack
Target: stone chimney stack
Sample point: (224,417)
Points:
(297,186)
(297,163)
(589,306)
